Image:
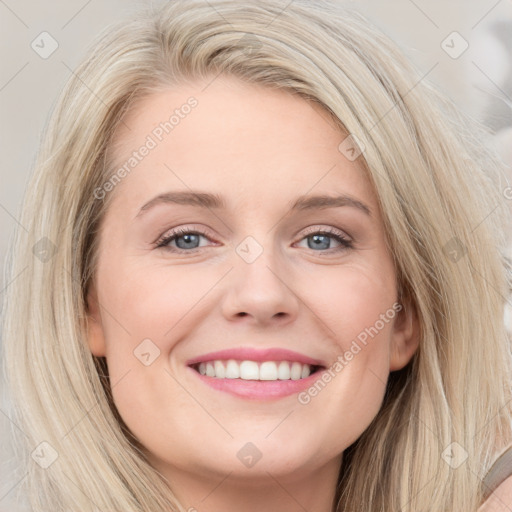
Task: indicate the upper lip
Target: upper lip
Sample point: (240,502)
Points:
(252,354)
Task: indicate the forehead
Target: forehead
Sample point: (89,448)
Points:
(235,139)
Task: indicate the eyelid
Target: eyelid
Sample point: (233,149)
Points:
(191,228)
(346,241)
(329,230)
(187,228)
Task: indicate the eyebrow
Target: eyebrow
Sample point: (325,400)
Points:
(214,201)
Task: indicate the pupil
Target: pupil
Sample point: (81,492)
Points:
(188,239)
(318,242)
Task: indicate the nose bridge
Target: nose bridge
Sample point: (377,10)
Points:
(259,283)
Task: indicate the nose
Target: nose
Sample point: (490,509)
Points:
(260,293)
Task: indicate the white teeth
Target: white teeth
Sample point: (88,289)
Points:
(220,371)
(249,370)
(283,372)
(232,370)
(296,371)
(268,371)
(210,370)
(252,370)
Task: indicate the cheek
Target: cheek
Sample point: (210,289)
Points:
(146,313)
(356,304)
(150,303)
(359,308)
(352,389)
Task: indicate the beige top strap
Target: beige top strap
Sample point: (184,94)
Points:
(499,472)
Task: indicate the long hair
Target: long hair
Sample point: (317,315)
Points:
(440,191)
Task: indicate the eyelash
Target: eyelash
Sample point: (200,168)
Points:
(345,243)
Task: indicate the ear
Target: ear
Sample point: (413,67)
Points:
(405,337)
(95,335)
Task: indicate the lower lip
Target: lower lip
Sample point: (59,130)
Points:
(259,389)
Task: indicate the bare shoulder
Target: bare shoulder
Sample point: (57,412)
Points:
(500,500)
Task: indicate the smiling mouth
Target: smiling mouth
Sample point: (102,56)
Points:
(256,371)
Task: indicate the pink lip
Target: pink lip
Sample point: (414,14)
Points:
(251,354)
(257,389)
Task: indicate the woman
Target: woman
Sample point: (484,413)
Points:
(266,270)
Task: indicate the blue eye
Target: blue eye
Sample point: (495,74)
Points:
(322,240)
(187,240)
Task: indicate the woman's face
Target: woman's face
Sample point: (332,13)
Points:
(259,267)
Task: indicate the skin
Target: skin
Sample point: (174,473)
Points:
(259,149)
(500,500)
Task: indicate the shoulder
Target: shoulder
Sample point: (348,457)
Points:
(500,500)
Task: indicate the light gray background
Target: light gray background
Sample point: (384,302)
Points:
(479,81)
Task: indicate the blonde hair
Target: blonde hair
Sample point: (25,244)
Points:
(439,191)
